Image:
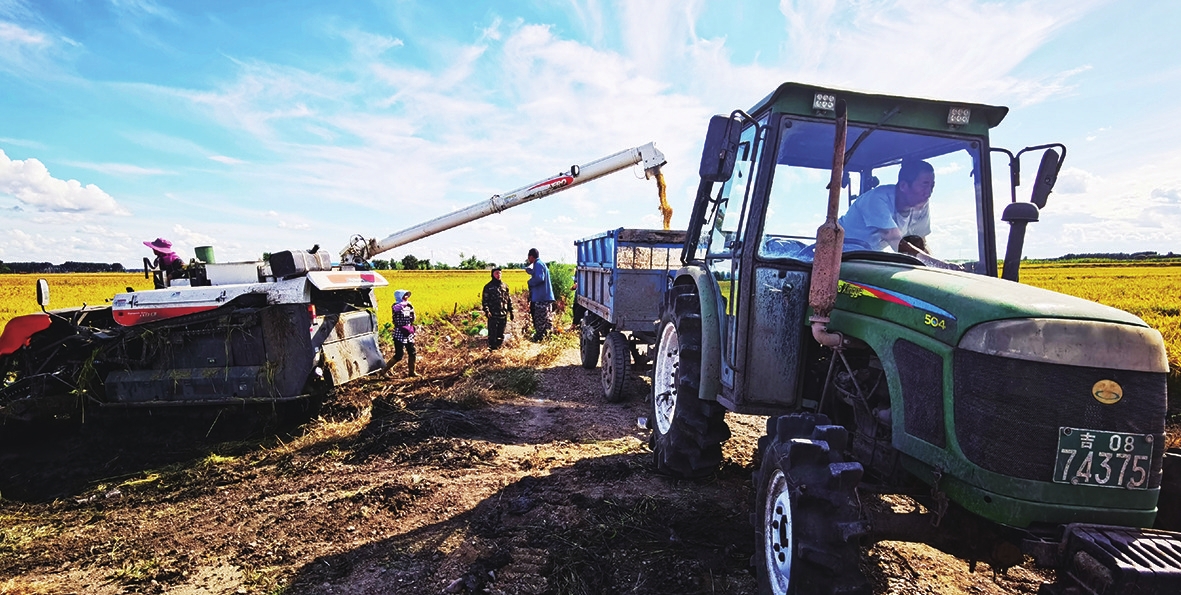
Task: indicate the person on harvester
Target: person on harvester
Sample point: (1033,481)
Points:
(167,262)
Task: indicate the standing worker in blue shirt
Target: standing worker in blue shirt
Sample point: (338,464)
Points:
(541,295)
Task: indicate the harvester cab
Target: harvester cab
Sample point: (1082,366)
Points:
(890,353)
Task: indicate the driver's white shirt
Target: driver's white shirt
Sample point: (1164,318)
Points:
(873,213)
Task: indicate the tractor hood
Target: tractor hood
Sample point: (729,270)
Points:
(946,304)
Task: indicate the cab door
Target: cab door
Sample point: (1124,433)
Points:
(723,234)
(780,245)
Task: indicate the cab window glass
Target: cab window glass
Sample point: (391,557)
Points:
(798,201)
(722,230)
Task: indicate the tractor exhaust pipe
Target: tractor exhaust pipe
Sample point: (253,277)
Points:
(830,239)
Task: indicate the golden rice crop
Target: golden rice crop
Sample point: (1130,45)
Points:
(432,292)
(438,292)
(18,293)
(1151,292)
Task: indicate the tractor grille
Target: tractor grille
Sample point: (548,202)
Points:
(921,372)
(1008,411)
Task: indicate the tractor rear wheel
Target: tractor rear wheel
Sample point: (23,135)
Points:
(616,363)
(588,343)
(687,432)
(806,515)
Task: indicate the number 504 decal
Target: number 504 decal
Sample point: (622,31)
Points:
(935,321)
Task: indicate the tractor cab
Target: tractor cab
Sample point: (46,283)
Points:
(764,177)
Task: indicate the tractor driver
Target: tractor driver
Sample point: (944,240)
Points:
(894,216)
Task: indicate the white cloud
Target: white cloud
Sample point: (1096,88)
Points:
(20,142)
(589,15)
(1071,180)
(27,52)
(143,8)
(370,46)
(183,236)
(16,243)
(15,34)
(29,182)
(121,168)
(864,45)
(1170,196)
(282,223)
(384,141)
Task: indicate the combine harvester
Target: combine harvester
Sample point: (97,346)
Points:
(233,334)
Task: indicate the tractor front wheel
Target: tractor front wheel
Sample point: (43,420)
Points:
(806,514)
(687,432)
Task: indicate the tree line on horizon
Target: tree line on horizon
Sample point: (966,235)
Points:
(413,263)
(66,267)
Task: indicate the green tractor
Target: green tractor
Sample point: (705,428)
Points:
(902,360)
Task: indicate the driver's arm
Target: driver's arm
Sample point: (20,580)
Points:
(893,236)
(907,246)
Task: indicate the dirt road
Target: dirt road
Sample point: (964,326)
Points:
(498,472)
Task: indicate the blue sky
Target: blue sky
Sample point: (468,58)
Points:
(263,126)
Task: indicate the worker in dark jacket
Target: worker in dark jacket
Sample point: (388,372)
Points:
(541,295)
(498,308)
(403,315)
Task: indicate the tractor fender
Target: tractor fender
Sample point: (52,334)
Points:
(20,330)
(711,335)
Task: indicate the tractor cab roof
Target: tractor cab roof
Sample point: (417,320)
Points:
(928,114)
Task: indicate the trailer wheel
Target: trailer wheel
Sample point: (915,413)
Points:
(588,343)
(687,432)
(806,515)
(616,364)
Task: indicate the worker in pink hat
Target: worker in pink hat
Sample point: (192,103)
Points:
(166,259)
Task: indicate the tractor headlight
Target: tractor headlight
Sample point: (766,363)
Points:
(1083,343)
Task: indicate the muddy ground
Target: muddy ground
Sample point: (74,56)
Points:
(499,472)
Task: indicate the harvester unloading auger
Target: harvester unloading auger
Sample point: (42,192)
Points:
(361,250)
(220,334)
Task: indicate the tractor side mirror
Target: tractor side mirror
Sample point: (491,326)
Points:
(1047,176)
(42,293)
(720,150)
(1018,215)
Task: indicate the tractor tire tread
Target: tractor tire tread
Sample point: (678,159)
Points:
(692,447)
(826,521)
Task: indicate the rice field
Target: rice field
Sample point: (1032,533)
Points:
(1152,292)
(442,292)
(432,292)
(18,293)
